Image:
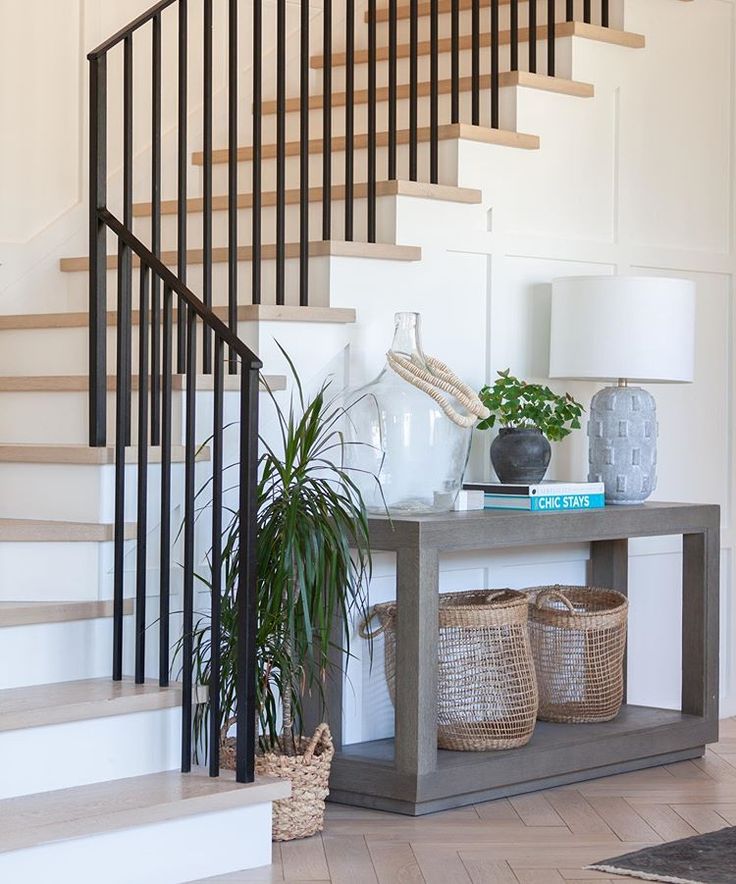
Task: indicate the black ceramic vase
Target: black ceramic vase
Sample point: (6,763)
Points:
(520,456)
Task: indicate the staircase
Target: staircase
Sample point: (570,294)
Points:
(340,135)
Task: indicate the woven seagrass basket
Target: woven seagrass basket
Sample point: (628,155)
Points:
(303,813)
(486,691)
(578,638)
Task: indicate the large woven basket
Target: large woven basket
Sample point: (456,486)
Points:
(578,637)
(303,813)
(486,690)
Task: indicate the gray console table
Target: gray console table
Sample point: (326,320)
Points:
(408,774)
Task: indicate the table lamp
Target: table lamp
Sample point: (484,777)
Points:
(631,330)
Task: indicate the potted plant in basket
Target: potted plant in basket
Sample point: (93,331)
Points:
(313,566)
(530,416)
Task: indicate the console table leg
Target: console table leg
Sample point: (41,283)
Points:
(417,591)
(609,569)
(700,625)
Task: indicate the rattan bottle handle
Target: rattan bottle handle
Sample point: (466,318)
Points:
(441,378)
(322,737)
(556,594)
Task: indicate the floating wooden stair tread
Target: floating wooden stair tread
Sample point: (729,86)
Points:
(45,704)
(30,613)
(421,189)
(80,383)
(450,132)
(32,820)
(70,454)
(508,78)
(52,531)
(562,29)
(317,249)
(246,313)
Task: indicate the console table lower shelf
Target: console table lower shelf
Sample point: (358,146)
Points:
(364,774)
(409,775)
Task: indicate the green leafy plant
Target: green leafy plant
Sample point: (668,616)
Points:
(515,403)
(313,561)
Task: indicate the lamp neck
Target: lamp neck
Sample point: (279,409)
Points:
(623,382)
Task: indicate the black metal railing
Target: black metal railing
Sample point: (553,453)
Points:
(177,333)
(181,330)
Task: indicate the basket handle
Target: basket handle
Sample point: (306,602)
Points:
(322,737)
(494,594)
(364,630)
(555,594)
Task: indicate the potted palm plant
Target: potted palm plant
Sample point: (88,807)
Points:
(313,567)
(530,416)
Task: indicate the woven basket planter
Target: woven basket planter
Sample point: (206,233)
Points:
(578,638)
(486,690)
(303,813)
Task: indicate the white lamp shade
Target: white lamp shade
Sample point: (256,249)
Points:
(641,328)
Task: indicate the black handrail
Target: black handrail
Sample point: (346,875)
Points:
(128,31)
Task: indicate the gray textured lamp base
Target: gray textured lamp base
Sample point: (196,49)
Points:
(622,433)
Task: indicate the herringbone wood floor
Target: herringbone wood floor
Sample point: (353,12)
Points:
(541,838)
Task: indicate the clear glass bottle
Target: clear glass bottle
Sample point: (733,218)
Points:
(400,435)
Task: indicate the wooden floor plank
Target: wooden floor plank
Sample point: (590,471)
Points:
(348,860)
(498,811)
(487,871)
(535,810)
(537,876)
(578,814)
(394,863)
(304,860)
(440,864)
(623,819)
(702,817)
(670,826)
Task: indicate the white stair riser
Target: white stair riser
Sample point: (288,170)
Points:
(77,753)
(170,852)
(75,570)
(47,653)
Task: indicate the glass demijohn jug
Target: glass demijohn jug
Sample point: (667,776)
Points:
(400,436)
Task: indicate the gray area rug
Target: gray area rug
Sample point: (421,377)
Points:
(702,859)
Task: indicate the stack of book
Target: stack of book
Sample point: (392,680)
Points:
(544,497)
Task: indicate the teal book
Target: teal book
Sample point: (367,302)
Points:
(548,503)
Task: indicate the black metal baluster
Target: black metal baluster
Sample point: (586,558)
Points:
(570,10)
(455,61)
(98,253)
(216,589)
(126,269)
(349,115)
(475,63)
(156,231)
(256,277)
(514,14)
(246,598)
(304,156)
(392,79)
(551,38)
(434,162)
(413,89)
(586,10)
(371,157)
(495,90)
(142,491)
(280,150)
(232,175)
(207,185)
(189,524)
(327,122)
(533,36)
(183,167)
(605,14)
(122,420)
(165,532)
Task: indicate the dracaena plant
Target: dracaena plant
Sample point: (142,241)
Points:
(517,404)
(313,562)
